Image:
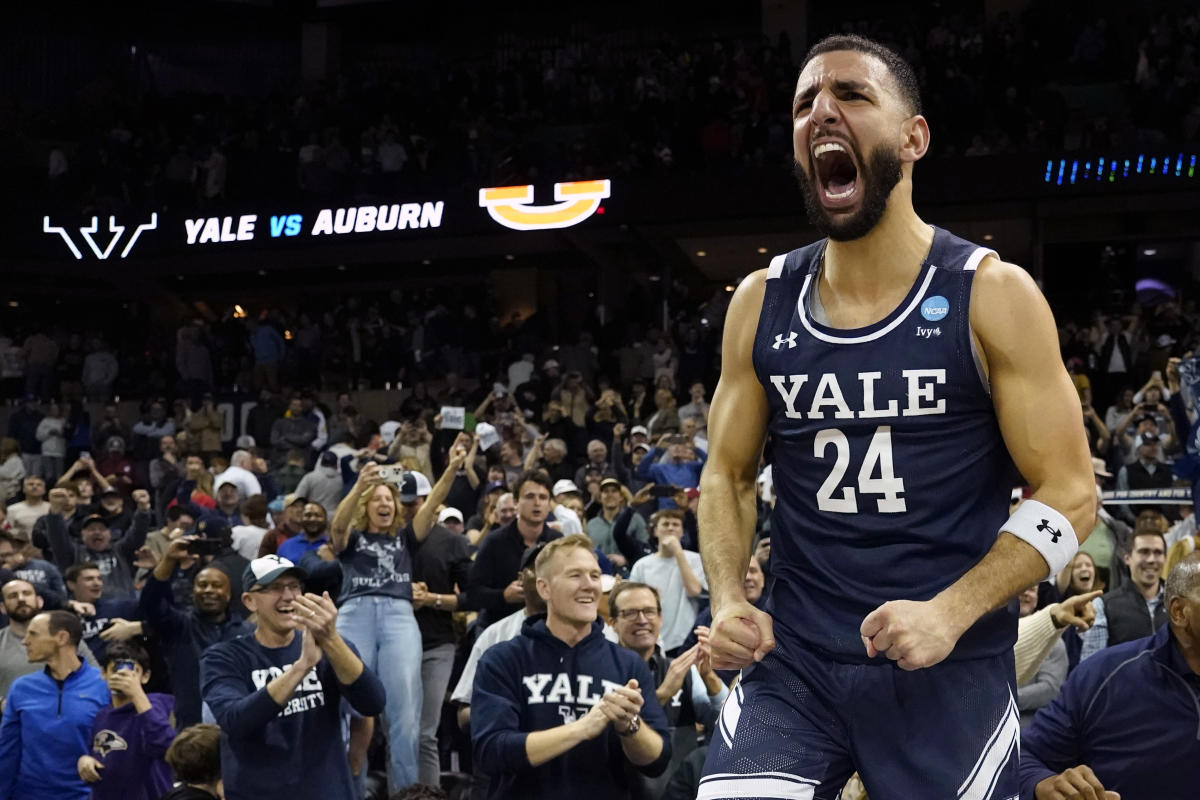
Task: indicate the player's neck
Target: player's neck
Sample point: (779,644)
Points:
(885,260)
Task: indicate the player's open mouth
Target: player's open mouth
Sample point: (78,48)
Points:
(836,173)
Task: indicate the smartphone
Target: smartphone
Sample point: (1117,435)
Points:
(204,547)
(392,473)
(664,491)
(126,665)
(86,454)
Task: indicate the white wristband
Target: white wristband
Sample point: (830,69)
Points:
(1047,530)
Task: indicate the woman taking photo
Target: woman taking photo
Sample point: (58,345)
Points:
(375,548)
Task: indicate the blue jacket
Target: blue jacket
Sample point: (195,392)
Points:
(46,729)
(535,682)
(1131,713)
(668,473)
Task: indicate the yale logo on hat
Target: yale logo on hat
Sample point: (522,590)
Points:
(265,569)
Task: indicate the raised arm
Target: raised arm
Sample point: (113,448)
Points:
(1041,421)
(427,514)
(737,426)
(339,529)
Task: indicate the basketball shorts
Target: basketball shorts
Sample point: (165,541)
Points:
(799,724)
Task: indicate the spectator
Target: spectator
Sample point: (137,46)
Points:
(1043,687)
(599,528)
(12,469)
(195,758)
(677,574)
(115,561)
(288,524)
(51,432)
(164,472)
(240,474)
(279,687)
(697,405)
(185,633)
(442,563)
(100,371)
(112,509)
(493,586)
(1120,712)
(567,505)
(22,426)
(48,713)
(688,690)
(292,431)
(597,458)
(247,538)
(1136,609)
(543,703)
(45,577)
(21,604)
(205,425)
(41,354)
(665,419)
(129,738)
(681,468)
(268,348)
(315,526)
(23,515)
(501,631)
(293,470)
(110,425)
(229,504)
(324,484)
(104,619)
(376,600)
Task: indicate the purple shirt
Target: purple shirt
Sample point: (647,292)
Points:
(131,746)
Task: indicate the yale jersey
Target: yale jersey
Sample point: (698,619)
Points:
(890,474)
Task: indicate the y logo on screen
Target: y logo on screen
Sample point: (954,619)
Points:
(512,206)
(115,232)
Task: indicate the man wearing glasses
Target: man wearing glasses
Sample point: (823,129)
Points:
(686,687)
(277,694)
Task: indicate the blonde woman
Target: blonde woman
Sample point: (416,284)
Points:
(375,549)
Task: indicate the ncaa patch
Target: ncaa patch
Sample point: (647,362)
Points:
(935,308)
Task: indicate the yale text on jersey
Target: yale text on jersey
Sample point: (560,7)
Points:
(821,397)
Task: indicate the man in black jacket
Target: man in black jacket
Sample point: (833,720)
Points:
(185,633)
(1136,608)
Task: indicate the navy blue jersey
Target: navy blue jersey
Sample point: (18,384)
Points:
(890,473)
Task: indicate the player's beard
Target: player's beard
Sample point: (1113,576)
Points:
(877,176)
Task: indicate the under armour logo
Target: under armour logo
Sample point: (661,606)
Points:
(790,340)
(113,228)
(1045,526)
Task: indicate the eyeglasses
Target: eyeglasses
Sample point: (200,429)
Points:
(279,588)
(632,613)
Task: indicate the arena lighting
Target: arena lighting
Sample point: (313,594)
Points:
(239,312)
(987,237)
(1150,251)
(761,250)
(729,287)
(701,253)
(1109,170)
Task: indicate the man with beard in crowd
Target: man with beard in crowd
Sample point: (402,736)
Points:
(314,529)
(21,604)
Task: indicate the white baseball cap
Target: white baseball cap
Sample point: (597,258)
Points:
(565,486)
(449,512)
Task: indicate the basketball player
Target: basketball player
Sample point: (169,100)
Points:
(901,371)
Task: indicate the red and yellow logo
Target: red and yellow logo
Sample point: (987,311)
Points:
(510,205)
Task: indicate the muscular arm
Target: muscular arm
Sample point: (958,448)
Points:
(1040,419)
(737,426)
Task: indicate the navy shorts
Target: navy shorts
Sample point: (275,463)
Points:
(799,724)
